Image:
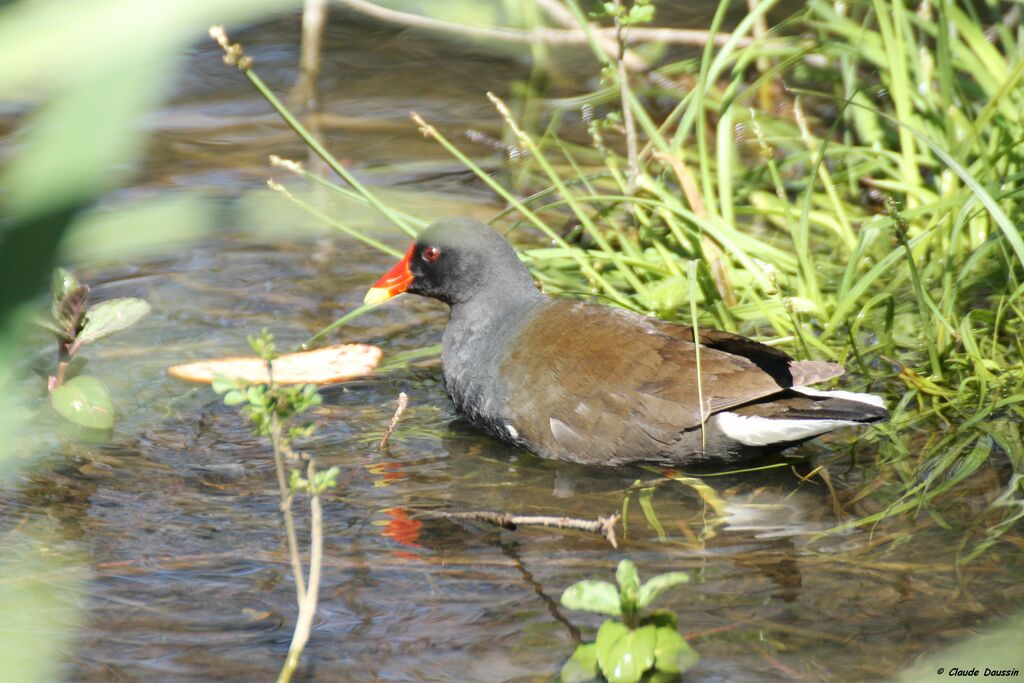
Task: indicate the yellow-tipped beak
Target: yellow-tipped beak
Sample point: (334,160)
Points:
(378,295)
(393,283)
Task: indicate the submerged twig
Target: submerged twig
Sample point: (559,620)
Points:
(604,526)
(403,402)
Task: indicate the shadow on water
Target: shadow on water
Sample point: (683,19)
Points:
(177,517)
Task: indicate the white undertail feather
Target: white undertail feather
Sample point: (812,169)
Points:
(752,430)
(763,431)
(870,399)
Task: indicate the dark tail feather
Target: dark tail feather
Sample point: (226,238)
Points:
(793,405)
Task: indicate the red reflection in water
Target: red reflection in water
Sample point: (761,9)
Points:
(400,527)
(386,472)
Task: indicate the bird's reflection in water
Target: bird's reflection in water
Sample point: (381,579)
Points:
(757,528)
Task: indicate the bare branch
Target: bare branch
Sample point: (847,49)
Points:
(403,402)
(549,36)
(604,526)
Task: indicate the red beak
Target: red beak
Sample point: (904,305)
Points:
(394,282)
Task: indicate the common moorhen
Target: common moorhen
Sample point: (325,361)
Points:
(593,384)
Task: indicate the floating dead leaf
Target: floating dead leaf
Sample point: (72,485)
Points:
(321,366)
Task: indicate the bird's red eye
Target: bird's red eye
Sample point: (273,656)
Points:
(431,254)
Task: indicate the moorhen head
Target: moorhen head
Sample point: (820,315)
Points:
(578,381)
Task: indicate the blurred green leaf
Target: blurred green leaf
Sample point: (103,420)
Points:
(85,401)
(108,317)
(624,654)
(234,398)
(64,282)
(653,588)
(996,646)
(222,384)
(593,596)
(629,581)
(582,666)
(672,654)
(49,45)
(39,605)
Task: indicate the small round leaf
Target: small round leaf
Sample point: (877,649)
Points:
(85,401)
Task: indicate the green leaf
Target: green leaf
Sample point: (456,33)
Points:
(257,394)
(672,654)
(234,398)
(629,582)
(627,576)
(624,654)
(111,316)
(85,401)
(593,596)
(222,384)
(64,282)
(582,666)
(658,584)
(296,481)
(327,479)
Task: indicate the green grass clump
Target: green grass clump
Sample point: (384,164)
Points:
(846,184)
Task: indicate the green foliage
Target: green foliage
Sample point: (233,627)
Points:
(263,404)
(638,12)
(83,400)
(263,345)
(273,408)
(639,645)
(321,481)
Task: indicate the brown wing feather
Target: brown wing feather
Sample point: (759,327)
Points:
(584,374)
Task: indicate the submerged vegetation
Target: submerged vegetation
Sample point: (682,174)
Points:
(845,185)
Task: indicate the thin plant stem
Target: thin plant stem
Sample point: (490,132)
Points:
(308,602)
(235,55)
(628,121)
(280,451)
(351,232)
